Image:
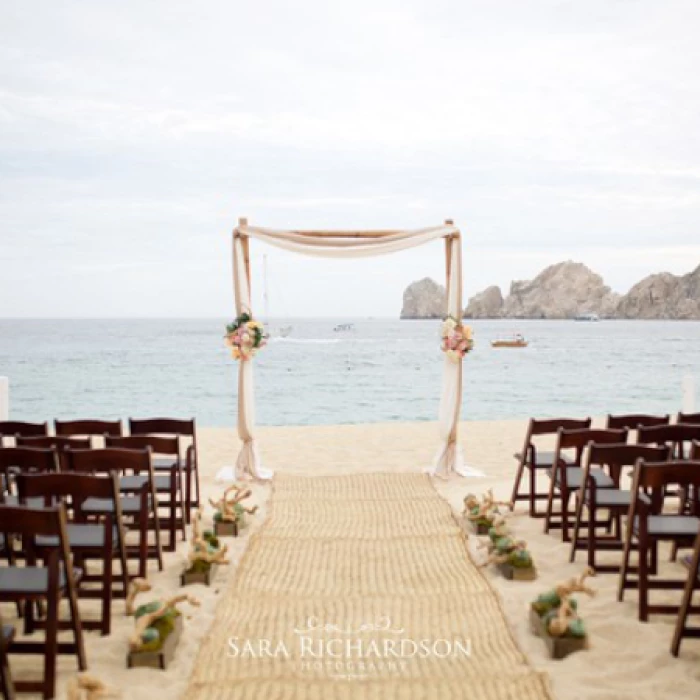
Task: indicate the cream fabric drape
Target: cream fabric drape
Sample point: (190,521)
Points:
(352,245)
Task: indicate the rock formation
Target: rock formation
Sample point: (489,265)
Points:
(564,290)
(663,296)
(424,299)
(486,304)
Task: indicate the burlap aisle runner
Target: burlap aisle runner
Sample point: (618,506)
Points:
(360,587)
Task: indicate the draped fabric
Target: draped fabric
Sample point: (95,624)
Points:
(351,244)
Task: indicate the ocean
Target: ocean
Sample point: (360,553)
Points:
(383,370)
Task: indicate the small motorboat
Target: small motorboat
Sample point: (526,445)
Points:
(516,341)
(344,327)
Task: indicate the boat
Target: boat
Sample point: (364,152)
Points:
(587,317)
(517,341)
(344,327)
(282,331)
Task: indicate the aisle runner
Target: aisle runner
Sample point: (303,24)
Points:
(360,587)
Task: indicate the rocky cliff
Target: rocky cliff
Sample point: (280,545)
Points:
(663,296)
(423,299)
(566,290)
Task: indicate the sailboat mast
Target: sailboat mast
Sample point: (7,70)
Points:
(266,298)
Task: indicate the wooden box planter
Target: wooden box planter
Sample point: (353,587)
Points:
(187,578)
(157,659)
(225,528)
(558,647)
(518,573)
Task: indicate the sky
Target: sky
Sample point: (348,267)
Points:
(134,134)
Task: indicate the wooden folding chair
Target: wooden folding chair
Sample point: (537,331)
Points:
(25,460)
(7,687)
(12,428)
(138,499)
(88,540)
(89,428)
(169,480)
(534,459)
(47,584)
(615,501)
(566,474)
(688,418)
(678,437)
(180,428)
(632,421)
(648,524)
(691,585)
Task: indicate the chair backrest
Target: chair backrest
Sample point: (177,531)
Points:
(655,477)
(673,435)
(551,426)
(89,427)
(12,428)
(162,426)
(695,450)
(25,521)
(632,421)
(688,418)
(28,459)
(54,488)
(159,444)
(580,438)
(108,460)
(56,441)
(619,455)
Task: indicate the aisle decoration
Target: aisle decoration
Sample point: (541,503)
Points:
(87,687)
(513,559)
(157,629)
(554,616)
(245,337)
(206,553)
(457,339)
(229,515)
(480,515)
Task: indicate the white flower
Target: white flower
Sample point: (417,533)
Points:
(454,355)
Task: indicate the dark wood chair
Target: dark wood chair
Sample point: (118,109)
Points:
(184,429)
(168,484)
(534,460)
(87,539)
(89,428)
(692,584)
(138,499)
(56,442)
(566,474)
(13,428)
(688,418)
(7,687)
(648,524)
(615,501)
(47,584)
(23,460)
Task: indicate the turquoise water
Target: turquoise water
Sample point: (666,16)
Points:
(385,370)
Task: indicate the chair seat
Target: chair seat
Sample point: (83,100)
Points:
(612,498)
(37,502)
(80,535)
(131,505)
(671,525)
(31,580)
(166,463)
(574,477)
(543,459)
(135,482)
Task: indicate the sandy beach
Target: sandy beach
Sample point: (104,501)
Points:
(626,659)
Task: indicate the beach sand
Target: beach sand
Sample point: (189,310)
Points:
(626,659)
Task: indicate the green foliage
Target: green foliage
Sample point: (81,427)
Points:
(199,566)
(546,602)
(154,636)
(146,608)
(520,559)
(504,545)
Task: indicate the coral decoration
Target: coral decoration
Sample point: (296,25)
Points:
(230,509)
(482,512)
(86,687)
(204,547)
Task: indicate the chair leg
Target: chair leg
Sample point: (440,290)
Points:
(550,503)
(107,563)
(690,585)
(7,687)
(565,500)
(643,580)
(51,648)
(592,514)
(77,626)
(516,484)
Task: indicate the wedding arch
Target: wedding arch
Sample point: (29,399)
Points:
(350,244)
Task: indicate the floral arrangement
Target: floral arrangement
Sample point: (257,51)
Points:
(456,339)
(245,337)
